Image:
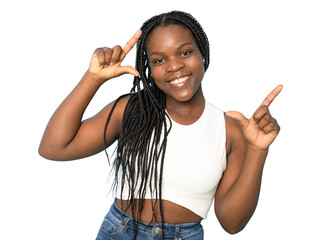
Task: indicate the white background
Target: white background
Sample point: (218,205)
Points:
(45,49)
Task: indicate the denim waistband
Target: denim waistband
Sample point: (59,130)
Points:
(155,229)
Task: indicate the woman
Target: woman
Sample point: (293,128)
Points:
(175,150)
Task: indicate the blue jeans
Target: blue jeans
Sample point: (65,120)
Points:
(116,227)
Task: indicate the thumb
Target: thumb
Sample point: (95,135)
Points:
(126,69)
(242,120)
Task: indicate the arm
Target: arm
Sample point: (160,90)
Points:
(247,147)
(68,137)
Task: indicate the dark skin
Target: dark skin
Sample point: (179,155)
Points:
(177,67)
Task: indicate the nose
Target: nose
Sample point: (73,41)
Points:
(174,64)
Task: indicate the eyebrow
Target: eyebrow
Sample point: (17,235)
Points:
(179,47)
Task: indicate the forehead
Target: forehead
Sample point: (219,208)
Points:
(169,36)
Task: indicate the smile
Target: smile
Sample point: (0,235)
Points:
(179,82)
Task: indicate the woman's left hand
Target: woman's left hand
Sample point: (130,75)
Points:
(261,129)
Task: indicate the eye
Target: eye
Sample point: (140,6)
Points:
(157,61)
(186,53)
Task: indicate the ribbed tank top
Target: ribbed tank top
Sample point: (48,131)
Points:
(195,160)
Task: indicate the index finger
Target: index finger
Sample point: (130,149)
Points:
(268,100)
(130,44)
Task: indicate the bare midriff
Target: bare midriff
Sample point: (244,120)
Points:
(172,213)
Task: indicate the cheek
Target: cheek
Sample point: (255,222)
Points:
(157,73)
(195,61)
(197,66)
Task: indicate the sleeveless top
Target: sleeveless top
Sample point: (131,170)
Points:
(194,162)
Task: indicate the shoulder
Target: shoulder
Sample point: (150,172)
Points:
(113,113)
(119,105)
(234,135)
(111,116)
(115,108)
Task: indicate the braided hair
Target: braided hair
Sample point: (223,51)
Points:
(145,125)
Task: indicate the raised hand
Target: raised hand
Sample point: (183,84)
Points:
(106,62)
(261,129)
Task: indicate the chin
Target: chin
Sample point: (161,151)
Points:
(182,98)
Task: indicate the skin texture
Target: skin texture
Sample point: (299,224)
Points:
(173,53)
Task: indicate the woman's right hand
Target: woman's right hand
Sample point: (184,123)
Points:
(106,62)
(68,137)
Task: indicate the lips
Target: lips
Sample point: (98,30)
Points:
(179,82)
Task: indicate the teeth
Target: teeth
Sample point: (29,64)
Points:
(179,80)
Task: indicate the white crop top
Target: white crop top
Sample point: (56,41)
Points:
(195,160)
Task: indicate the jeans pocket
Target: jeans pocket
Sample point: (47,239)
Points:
(193,234)
(110,228)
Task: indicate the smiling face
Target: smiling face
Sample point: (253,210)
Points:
(176,62)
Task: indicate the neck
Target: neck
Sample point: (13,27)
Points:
(197,101)
(186,112)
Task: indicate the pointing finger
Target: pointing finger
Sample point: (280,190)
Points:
(130,44)
(268,100)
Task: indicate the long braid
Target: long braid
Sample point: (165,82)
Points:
(142,144)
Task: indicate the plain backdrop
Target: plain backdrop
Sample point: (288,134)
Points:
(45,48)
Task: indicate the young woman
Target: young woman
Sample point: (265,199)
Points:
(175,150)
